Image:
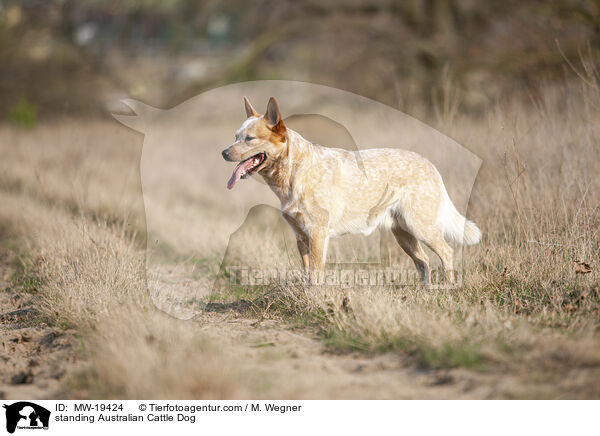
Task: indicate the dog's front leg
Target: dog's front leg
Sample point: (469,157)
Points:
(302,240)
(303,244)
(317,255)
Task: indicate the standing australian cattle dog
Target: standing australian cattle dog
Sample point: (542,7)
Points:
(327,192)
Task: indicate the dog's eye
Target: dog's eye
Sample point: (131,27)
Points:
(250,138)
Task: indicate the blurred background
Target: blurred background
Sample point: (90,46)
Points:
(77,58)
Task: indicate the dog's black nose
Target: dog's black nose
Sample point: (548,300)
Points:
(225,155)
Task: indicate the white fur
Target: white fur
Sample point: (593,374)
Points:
(456,227)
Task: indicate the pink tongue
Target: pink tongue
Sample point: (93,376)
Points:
(237,173)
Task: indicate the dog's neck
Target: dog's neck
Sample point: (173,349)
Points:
(280,175)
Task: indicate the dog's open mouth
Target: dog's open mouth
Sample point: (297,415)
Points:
(246,168)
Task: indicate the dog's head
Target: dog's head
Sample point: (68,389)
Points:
(259,142)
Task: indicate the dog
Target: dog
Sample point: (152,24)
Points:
(327,192)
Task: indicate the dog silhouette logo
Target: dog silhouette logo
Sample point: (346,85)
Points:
(26,415)
(195,225)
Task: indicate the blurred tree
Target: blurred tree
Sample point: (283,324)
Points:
(53,52)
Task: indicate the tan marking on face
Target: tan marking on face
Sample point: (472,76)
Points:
(256,136)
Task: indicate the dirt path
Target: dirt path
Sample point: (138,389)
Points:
(299,365)
(34,358)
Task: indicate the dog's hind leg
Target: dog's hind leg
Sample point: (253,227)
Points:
(413,248)
(435,240)
(421,222)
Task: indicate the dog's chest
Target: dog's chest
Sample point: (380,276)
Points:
(295,209)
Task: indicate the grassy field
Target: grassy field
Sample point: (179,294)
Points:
(524,323)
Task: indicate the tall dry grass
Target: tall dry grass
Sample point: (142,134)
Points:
(72,192)
(75,205)
(537,200)
(528,301)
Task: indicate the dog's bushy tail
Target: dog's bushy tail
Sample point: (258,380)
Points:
(456,227)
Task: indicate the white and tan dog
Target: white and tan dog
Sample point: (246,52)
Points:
(327,192)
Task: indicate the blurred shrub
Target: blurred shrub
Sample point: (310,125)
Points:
(437,53)
(23,114)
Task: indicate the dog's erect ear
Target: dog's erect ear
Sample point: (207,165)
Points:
(250,111)
(273,116)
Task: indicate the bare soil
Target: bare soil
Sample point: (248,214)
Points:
(34,357)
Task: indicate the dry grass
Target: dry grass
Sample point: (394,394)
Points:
(91,279)
(89,269)
(522,301)
(72,192)
(537,201)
